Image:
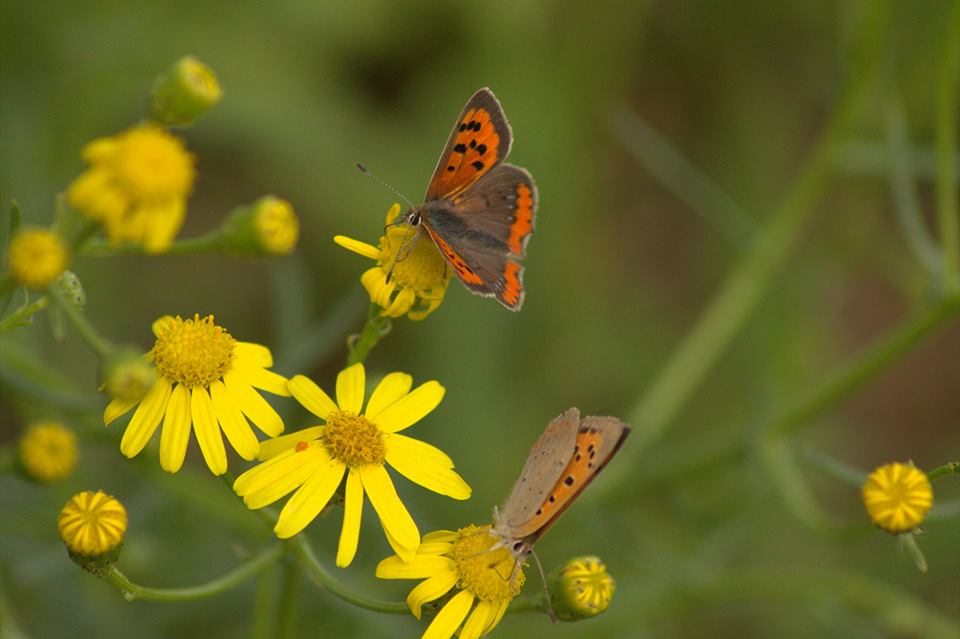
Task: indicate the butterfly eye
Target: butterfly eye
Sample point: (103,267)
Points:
(414,218)
(517,546)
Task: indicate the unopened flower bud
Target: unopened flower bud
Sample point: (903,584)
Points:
(581,588)
(267,227)
(184,93)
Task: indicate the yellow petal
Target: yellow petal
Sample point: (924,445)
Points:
(404,553)
(234,424)
(275,446)
(350,388)
(309,499)
(207,430)
(497,615)
(440,535)
(176,430)
(478,620)
(393,514)
(352,512)
(430,590)
(361,248)
(256,354)
(311,396)
(450,617)
(401,303)
(390,389)
(261,378)
(116,408)
(145,421)
(262,474)
(285,477)
(421,464)
(393,212)
(419,567)
(374,280)
(161,324)
(254,406)
(161,224)
(410,409)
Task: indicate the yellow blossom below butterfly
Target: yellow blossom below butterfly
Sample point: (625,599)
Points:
(483,581)
(358,443)
(897,497)
(419,277)
(136,187)
(206,380)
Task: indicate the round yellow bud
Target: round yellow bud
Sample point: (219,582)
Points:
(37,257)
(92,524)
(184,93)
(580,589)
(48,451)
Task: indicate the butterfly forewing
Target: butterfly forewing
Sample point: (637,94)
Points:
(479,141)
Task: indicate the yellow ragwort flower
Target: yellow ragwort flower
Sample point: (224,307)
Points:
(581,588)
(48,451)
(463,562)
(136,187)
(37,257)
(204,377)
(897,497)
(92,523)
(420,275)
(357,443)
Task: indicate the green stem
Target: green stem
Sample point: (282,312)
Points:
(262,625)
(837,469)
(7,285)
(21,315)
(236,577)
(913,549)
(323,578)
(374,329)
(208,243)
(289,600)
(947,469)
(94,340)
(744,287)
(948,215)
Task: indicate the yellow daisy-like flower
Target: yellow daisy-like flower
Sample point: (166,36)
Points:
(461,561)
(358,444)
(92,523)
(48,451)
(581,588)
(136,187)
(205,379)
(420,274)
(37,257)
(897,497)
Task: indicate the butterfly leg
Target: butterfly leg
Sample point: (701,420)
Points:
(406,247)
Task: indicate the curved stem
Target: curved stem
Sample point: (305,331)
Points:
(217,586)
(22,315)
(948,215)
(208,243)
(97,343)
(322,577)
(374,329)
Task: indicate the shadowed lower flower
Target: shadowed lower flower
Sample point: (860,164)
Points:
(897,497)
(311,463)
(48,451)
(206,383)
(419,278)
(483,581)
(136,187)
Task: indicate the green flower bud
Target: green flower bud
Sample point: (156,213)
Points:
(267,227)
(72,289)
(128,376)
(184,93)
(580,589)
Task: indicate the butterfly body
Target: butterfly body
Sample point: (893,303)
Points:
(480,211)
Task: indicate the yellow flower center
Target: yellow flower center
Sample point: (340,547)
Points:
(491,575)
(48,451)
(276,226)
(92,523)
(150,164)
(416,262)
(897,497)
(195,352)
(353,439)
(37,257)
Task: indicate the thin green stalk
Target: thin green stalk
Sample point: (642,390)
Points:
(325,579)
(948,216)
(839,470)
(374,329)
(264,614)
(738,296)
(97,343)
(289,600)
(208,243)
(947,469)
(22,315)
(232,579)
(866,158)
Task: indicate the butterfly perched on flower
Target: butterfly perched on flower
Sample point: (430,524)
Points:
(478,210)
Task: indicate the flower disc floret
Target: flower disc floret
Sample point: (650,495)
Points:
(353,439)
(491,575)
(193,352)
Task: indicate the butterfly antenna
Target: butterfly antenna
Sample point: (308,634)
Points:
(386,185)
(546,591)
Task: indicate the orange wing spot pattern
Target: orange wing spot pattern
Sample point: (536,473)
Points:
(474,152)
(464,272)
(522,220)
(579,472)
(511,293)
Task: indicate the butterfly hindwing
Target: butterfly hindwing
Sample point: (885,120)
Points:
(502,204)
(480,140)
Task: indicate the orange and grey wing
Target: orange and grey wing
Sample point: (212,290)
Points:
(480,140)
(502,204)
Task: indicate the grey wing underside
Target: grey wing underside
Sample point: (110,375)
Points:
(490,206)
(548,458)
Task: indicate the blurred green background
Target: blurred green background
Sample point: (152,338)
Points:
(621,265)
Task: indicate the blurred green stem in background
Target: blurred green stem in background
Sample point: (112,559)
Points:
(289,600)
(97,343)
(374,329)
(946,139)
(947,469)
(743,288)
(99,247)
(23,315)
(236,577)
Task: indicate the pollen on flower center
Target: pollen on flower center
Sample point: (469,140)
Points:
(488,574)
(195,352)
(353,439)
(150,163)
(419,267)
